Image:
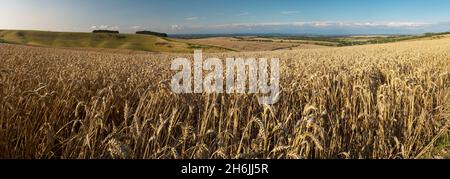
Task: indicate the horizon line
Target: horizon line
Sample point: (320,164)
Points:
(231,33)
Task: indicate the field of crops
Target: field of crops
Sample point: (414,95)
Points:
(376,101)
(149,43)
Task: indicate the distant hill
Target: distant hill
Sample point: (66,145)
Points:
(159,34)
(102,40)
(106,31)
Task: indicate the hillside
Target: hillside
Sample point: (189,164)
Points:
(99,40)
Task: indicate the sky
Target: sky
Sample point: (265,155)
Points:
(229,16)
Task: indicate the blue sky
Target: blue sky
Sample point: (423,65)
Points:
(229,16)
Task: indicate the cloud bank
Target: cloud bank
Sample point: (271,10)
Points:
(328,27)
(289,12)
(104,27)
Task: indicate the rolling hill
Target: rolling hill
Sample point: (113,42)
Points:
(100,40)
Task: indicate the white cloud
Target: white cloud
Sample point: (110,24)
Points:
(243,14)
(175,27)
(323,24)
(406,24)
(136,27)
(326,24)
(289,12)
(191,18)
(105,27)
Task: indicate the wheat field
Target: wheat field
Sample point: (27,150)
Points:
(373,101)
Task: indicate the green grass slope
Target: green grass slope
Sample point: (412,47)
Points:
(99,40)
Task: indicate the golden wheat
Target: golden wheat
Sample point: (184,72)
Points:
(380,101)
